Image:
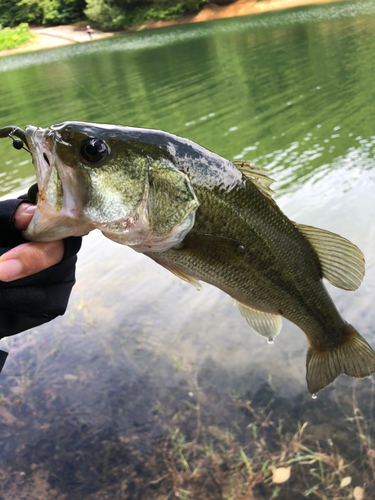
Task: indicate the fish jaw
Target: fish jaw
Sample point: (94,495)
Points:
(45,227)
(59,212)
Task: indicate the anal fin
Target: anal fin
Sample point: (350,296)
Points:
(264,324)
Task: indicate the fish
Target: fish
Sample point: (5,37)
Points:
(203,218)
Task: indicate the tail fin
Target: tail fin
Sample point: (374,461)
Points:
(355,358)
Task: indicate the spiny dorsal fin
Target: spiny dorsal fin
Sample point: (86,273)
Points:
(182,275)
(343,263)
(264,324)
(258,176)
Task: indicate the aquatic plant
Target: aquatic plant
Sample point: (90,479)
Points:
(195,442)
(260,459)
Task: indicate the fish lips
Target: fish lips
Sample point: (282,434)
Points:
(57,215)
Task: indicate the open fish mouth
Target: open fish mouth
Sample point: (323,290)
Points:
(58,212)
(49,183)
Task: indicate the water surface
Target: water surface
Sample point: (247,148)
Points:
(90,401)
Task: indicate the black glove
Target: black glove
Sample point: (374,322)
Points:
(36,299)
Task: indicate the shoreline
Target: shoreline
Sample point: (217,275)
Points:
(57,36)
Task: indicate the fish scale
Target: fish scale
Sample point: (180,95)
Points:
(263,275)
(203,218)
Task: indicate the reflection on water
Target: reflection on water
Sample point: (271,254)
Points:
(301,92)
(146,388)
(166,37)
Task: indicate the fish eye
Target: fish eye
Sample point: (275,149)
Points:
(93,150)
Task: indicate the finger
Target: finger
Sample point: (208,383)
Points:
(30,258)
(23,215)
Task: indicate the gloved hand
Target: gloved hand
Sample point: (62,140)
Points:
(43,278)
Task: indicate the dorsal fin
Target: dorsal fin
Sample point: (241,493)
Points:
(343,263)
(258,176)
(264,324)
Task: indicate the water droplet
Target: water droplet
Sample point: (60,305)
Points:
(314,396)
(270,340)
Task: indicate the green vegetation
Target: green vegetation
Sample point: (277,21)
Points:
(198,446)
(261,456)
(39,12)
(11,38)
(119,14)
(103,14)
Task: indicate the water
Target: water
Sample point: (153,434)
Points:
(144,372)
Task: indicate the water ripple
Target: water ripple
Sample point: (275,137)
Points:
(169,36)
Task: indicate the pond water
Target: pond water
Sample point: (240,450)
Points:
(147,389)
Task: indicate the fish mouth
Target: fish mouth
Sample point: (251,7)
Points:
(58,213)
(41,150)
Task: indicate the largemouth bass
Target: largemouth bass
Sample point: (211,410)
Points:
(203,218)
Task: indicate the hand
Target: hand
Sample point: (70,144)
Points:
(28,258)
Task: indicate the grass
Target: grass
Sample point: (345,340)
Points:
(204,443)
(262,460)
(247,472)
(11,38)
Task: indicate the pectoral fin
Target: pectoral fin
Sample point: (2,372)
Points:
(343,263)
(265,324)
(182,275)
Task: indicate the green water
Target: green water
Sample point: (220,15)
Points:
(231,85)
(88,400)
